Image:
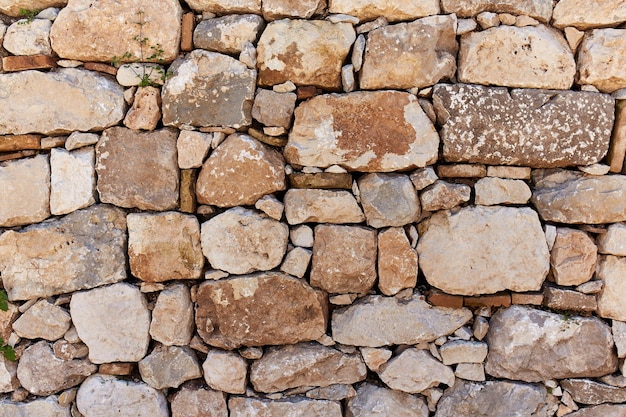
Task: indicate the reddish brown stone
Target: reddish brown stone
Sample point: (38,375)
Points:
(26,62)
(100,67)
(324,180)
(462,171)
(307,91)
(442,299)
(116,368)
(527,298)
(397,261)
(16,155)
(496,300)
(568,300)
(186,35)
(11,143)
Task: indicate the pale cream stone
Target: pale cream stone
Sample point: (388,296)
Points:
(414,371)
(246,406)
(502,171)
(375,357)
(26,37)
(583,14)
(573,257)
(226,6)
(601,59)
(225,371)
(393,10)
(462,351)
(470,371)
(73,179)
(491,191)
(397,261)
(301,235)
(145,112)
(193,147)
(169,367)
(574,37)
(43,321)
(172,317)
(271,206)
(296,262)
(613,242)
(228,34)
(611,270)
(305,9)
(14,7)
(79,140)
(322,206)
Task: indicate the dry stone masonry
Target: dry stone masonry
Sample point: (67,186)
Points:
(338,208)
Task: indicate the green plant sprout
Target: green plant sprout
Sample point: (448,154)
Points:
(29,15)
(7,350)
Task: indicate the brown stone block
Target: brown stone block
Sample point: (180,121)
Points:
(188,179)
(562,299)
(441,299)
(16,155)
(307,91)
(495,300)
(267,139)
(26,62)
(100,67)
(116,368)
(617,148)
(11,143)
(527,298)
(462,171)
(186,35)
(324,180)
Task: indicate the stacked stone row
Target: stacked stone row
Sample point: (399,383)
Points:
(352,208)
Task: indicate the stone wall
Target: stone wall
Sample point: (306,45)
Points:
(294,208)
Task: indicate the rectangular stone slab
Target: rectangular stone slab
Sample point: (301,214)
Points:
(535,128)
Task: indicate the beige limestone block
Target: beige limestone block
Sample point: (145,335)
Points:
(43,320)
(14,7)
(78,140)
(423,177)
(226,6)
(145,112)
(305,9)
(27,182)
(463,351)
(273,109)
(164,246)
(192,401)
(351,130)
(73,179)
(28,37)
(540,55)
(259,310)
(406,55)
(617,149)
(321,206)
(256,407)
(301,235)
(271,206)
(443,195)
(371,399)
(169,366)
(375,357)
(397,261)
(111,29)
(490,191)
(296,262)
(539,9)
(136,73)
(305,52)
(613,242)
(611,270)
(225,371)
(483,250)
(8,377)
(192,148)
(414,371)
(172,317)
(48,407)
(584,15)
(344,259)
(239,172)
(602,59)
(228,34)
(503,171)
(388,199)
(392,10)
(573,257)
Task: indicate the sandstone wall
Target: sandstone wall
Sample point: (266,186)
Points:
(308,208)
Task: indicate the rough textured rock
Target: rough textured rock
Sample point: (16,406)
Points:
(27,181)
(172,317)
(123,398)
(611,270)
(587,15)
(372,400)
(239,172)
(169,366)
(397,261)
(523,127)
(392,10)
(273,109)
(388,200)
(349,130)
(294,406)
(415,371)
(603,410)
(48,407)
(241,241)
(571,197)
(586,391)
(73,180)
(192,147)
(601,59)
(568,300)
(407,55)
(486,58)
(483,250)
(113,322)
(321,206)
(41,372)
(225,371)
(277,9)
(67,107)
(296,262)
(492,191)
(538,9)
(305,365)
(43,320)
(259,310)
(443,195)
(493,399)
(226,6)
(28,37)
(83,250)
(164,246)
(305,52)
(533,345)
(228,34)
(138,169)
(115,25)
(463,351)
(573,257)
(379,321)
(14,7)
(145,112)
(208,89)
(8,377)
(613,242)
(198,402)
(344,259)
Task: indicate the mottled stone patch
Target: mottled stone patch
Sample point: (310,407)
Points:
(392,10)
(602,59)
(584,15)
(538,9)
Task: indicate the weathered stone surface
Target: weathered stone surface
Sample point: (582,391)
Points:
(611,270)
(375,321)
(523,127)
(491,191)
(108,29)
(225,371)
(226,6)
(321,206)
(8,377)
(239,172)
(388,199)
(27,181)
(73,180)
(406,55)
(273,109)
(123,398)
(351,131)
(483,250)
(533,345)
(372,400)
(586,391)
(137,73)
(67,107)
(83,250)
(145,112)
(503,171)
(113,322)
(41,372)
(79,140)
(48,407)
(571,197)
(587,15)
(305,52)
(192,148)
(278,9)
(259,310)
(294,406)
(228,34)
(198,402)
(443,195)
(324,180)
(301,236)
(344,259)
(172,317)
(304,365)
(393,10)
(397,261)
(336,392)
(613,242)
(14,7)
(539,9)
(573,257)
(463,351)
(415,371)
(28,37)
(568,300)
(296,262)
(241,241)
(601,59)
(208,89)
(164,246)
(138,169)
(169,366)
(43,320)
(486,58)
(375,357)
(493,399)
(603,410)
